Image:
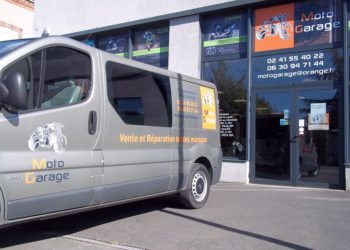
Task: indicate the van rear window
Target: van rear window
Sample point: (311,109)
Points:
(138,96)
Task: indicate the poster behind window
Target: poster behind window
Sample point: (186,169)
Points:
(151,46)
(225,35)
(318,118)
(115,44)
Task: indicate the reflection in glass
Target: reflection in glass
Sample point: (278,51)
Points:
(272,148)
(319,139)
(90,41)
(230,78)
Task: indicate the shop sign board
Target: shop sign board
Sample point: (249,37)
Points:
(225,35)
(299,24)
(318,65)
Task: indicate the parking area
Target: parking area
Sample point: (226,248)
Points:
(236,216)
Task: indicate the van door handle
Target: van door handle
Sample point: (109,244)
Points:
(92,122)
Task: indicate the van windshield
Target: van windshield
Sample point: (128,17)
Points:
(8,46)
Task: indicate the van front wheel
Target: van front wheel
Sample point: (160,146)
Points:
(197,192)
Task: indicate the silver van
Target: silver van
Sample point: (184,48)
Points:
(82,129)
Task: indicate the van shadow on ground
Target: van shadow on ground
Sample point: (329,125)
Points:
(70,224)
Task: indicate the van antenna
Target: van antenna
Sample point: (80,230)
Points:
(46,32)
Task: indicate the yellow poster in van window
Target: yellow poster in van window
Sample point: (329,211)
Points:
(208,108)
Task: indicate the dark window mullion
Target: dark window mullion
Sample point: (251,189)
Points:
(42,79)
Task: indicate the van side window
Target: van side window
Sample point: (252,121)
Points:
(55,76)
(138,96)
(67,77)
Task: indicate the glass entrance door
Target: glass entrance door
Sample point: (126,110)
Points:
(296,137)
(272,136)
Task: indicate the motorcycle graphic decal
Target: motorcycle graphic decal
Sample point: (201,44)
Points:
(276,25)
(222,32)
(274,28)
(48,136)
(150,39)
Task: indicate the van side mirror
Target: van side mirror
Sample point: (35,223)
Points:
(13,91)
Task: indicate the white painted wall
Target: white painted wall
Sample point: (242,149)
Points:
(184,52)
(63,17)
(17,16)
(235,172)
(7,34)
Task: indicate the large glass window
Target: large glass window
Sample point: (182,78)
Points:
(139,97)
(224,51)
(230,78)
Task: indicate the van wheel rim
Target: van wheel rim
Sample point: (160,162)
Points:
(199,186)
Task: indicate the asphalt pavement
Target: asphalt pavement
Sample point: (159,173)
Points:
(237,216)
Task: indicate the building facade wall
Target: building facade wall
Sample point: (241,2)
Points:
(16,20)
(78,15)
(184,54)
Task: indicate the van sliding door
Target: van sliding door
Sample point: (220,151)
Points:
(137,133)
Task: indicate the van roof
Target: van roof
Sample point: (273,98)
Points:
(9,46)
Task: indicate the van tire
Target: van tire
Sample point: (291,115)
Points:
(197,192)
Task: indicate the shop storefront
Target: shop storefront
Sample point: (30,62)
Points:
(295,85)
(282,71)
